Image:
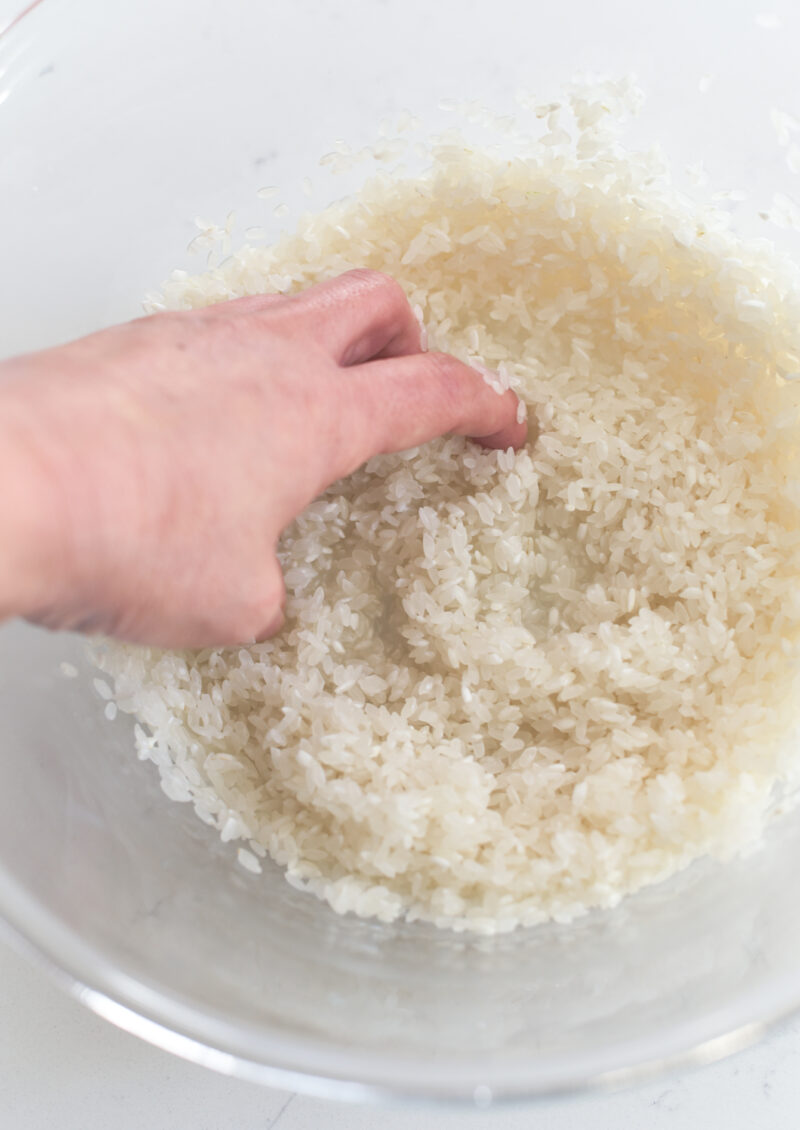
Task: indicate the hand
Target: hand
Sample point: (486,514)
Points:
(153,466)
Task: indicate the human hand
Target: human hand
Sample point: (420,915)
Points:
(153,466)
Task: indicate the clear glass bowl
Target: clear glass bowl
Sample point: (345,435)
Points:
(118,125)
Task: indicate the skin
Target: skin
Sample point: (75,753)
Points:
(150,469)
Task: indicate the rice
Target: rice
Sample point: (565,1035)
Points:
(514,686)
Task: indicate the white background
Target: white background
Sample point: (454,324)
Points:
(62,1067)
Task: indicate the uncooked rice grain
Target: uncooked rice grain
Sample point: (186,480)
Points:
(513,686)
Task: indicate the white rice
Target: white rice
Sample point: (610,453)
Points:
(515,686)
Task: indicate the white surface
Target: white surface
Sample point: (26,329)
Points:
(61,1066)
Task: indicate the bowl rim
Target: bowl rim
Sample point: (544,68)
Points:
(309,1065)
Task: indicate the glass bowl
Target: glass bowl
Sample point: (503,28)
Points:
(119,125)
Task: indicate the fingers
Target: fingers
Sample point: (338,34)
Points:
(359,315)
(402,402)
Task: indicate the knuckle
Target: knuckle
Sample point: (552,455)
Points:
(458,388)
(449,374)
(379,282)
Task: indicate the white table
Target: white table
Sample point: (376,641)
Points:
(62,1067)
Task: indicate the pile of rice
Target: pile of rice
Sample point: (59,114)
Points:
(513,686)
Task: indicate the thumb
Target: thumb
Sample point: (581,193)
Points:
(401,402)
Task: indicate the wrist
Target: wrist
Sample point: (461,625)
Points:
(29,511)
